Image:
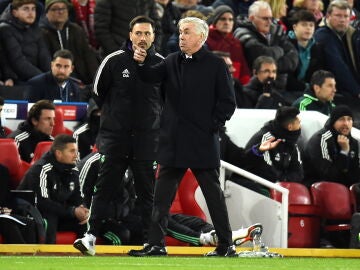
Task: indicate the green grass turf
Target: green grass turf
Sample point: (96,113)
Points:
(165,263)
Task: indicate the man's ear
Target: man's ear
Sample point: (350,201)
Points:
(254,72)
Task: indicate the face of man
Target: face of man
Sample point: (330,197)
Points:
(344,125)
(326,92)
(267,70)
(339,19)
(262,20)
(142,35)
(68,155)
(229,64)
(25,14)
(58,14)
(304,30)
(61,68)
(225,23)
(46,122)
(189,40)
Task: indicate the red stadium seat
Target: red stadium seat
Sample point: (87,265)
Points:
(10,158)
(304,217)
(59,127)
(7,130)
(41,148)
(185,203)
(335,203)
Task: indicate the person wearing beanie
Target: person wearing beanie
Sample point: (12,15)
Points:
(221,39)
(22,43)
(332,154)
(282,163)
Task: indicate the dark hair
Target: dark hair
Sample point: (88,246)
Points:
(302,16)
(221,53)
(19,3)
(141,19)
(285,115)
(2,102)
(319,77)
(262,60)
(61,141)
(36,109)
(63,54)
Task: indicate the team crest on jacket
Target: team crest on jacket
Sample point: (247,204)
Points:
(126,73)
(72,186)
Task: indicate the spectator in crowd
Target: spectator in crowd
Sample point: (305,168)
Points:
(112,19)
(332,154)
(319,95)
(279,11)
(341,49)
(6,74)
(241,99)
(262,92)
(130,122)
(23,44)
(55,180)
(55,84)
(86,134)
(36,128)
(2,130)
(60,33)
(221,39)
(191,141)
(14,228)
(84,15)
(282,163)
(125,229)
(313,6)
(240,7)
(311,56)
(260,37)
(185,5)
(170,16)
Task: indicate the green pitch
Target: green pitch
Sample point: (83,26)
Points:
(173,263)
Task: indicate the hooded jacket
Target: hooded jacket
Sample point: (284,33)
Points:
(26,138)
(324,162)
(283,163)
(24,47)
(55,184)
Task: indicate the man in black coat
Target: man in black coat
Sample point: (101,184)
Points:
(199,98)
(55,84)
(129,128)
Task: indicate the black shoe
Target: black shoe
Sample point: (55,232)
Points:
(228,252)
(148,251)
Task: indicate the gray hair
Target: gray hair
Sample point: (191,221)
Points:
(201,27)
(340,4)
(256,6)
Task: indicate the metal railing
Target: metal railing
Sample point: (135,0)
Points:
(283,210)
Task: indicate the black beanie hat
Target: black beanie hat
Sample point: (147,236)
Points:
(218,11)
(286,114)
(339,111)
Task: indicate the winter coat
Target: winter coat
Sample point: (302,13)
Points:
(199,98)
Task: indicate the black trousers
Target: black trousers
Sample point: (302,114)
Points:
(165,190)
(110,186)
(15,233)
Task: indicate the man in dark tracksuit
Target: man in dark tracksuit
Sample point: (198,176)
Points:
(55,180)
(129,126)
(199,98)
(36,128)
(284,162)
(332,154)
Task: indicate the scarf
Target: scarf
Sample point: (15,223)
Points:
(86,19)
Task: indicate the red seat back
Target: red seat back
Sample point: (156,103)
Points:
(298,193)
(59,127)
(333,199)
(41,148)
(10,158)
